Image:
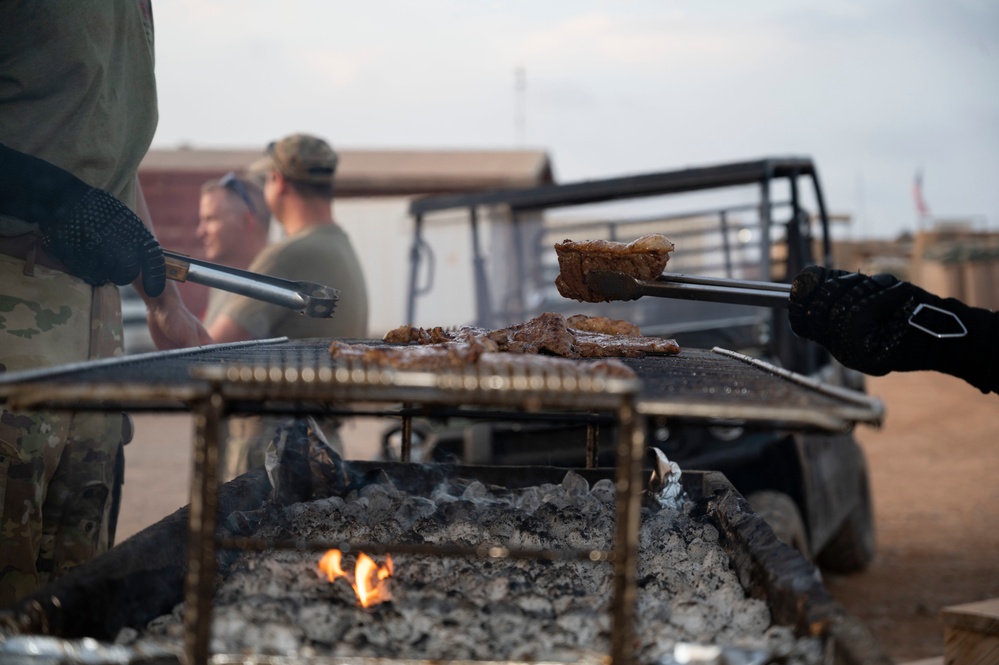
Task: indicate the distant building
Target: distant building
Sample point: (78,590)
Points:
(373,190)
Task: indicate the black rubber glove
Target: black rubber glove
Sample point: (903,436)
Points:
(874,324)
(92,233)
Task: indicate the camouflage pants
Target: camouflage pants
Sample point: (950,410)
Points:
(56,469)
(249,437)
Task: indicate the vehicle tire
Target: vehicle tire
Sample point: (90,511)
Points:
(781,513)
(852,548)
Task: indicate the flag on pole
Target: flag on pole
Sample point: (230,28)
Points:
(917,193)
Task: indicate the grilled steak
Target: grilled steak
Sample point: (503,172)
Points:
(601,324)
(471,352)
(643,259)
(550,334)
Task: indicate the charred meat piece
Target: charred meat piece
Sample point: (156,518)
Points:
(602,337)
(406,334)
(602,324)
(578,336)
(471,352)
(643,259)
(598,345)
(546,333)
(428,357)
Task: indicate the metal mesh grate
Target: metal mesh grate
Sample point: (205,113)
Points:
(698,374)
(697,383)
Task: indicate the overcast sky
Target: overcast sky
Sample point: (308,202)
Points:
(872,90)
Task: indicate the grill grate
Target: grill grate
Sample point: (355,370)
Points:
(697,384)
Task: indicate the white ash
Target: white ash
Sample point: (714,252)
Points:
(277,603)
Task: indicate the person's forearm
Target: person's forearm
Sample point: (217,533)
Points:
(171,324)
(878,324)
(142,210)
(224,329)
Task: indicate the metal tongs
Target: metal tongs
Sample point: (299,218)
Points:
(614,285)
(312,300)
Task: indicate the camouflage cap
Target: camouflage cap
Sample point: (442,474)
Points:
(303,158)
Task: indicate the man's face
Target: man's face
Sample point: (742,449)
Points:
(270,192)
(221,226)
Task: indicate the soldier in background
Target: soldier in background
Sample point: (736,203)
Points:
(233,227)
(298,187)
(298,175)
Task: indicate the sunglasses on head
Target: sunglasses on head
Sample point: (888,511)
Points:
(231,181)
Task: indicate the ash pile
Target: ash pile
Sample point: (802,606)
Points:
(278,602)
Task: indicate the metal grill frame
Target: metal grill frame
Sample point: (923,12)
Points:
(528,390)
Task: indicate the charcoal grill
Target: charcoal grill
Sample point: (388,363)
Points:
(299,377)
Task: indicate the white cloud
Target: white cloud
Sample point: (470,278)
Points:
(334,69)
(644,42)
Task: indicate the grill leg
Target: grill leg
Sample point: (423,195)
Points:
(630,448)
(199,582)
(592,445)
(406,449)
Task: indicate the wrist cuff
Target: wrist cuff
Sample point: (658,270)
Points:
(975,356)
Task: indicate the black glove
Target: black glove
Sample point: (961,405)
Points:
(878,324)
(92,233)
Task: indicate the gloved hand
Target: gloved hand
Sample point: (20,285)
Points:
(91,232)
(874,324)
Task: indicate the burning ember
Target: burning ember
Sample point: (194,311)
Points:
(369,583)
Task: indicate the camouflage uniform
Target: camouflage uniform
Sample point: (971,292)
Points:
(80,93)
(56,469)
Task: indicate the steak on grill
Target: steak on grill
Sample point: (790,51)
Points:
(549,333)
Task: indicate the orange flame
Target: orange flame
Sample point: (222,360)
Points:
(369,578)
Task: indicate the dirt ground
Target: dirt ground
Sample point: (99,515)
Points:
(934,468)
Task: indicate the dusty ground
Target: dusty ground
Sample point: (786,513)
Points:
(934,468)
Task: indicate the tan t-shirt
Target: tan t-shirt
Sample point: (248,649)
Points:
(77,86)
(323,255)
(216,300)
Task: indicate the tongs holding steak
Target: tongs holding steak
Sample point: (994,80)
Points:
(612,285)
(602,271)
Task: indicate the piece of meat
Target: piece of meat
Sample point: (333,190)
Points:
(407,333)
(602,324)
(544,333)
(599,345)
(422,357)
(643,259)
(549,334)
(471,353)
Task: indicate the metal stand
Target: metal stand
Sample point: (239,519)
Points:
(525,389)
